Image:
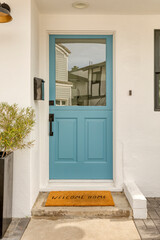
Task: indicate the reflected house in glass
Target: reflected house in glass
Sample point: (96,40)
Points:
(63,86)
(89,85)
(81,86)
(80,82)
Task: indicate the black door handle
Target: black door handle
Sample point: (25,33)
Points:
(51,119)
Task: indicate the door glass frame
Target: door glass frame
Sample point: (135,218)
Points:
(109,71)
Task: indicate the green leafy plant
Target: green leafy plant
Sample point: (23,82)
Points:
(15,125)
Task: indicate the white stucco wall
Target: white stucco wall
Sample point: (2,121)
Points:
(17,67)
(34,170)
(136,125)
(15,88)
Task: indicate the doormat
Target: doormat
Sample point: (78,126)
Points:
(79,198)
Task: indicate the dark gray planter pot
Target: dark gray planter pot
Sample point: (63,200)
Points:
(6,186)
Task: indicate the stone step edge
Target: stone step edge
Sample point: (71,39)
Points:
(86,214)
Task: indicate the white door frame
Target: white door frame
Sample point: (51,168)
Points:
(45,184)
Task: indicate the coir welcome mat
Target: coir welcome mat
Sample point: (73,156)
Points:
(79,198)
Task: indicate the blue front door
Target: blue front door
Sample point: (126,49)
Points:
(80,92)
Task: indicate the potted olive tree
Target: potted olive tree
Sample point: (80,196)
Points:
(15,125)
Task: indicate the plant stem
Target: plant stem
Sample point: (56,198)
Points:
(3,152)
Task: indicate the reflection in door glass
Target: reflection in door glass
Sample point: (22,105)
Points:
(80,72)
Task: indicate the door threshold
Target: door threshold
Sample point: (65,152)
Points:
(81,185)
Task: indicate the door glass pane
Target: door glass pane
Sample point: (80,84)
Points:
(80,72)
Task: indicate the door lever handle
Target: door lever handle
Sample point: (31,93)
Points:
(51,119)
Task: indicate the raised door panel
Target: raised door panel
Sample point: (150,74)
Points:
(66,140)
(95,136)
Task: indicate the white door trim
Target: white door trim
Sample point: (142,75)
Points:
(45,183)
(73,185)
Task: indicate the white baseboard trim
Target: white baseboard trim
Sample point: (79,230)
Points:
(136,199)
(81,185)
(140,213)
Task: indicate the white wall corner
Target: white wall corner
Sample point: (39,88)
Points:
(136,199)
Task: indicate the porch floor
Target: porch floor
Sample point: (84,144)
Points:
(81,229)
(121,209)
(148,229)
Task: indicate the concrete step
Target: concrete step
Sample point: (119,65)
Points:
(121,209)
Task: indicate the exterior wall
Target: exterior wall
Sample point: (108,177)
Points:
(17,87)
(61,66)
(63,92)
(136,125)
(34,170)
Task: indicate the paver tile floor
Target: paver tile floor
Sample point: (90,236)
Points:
(16,229)
(149,229)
